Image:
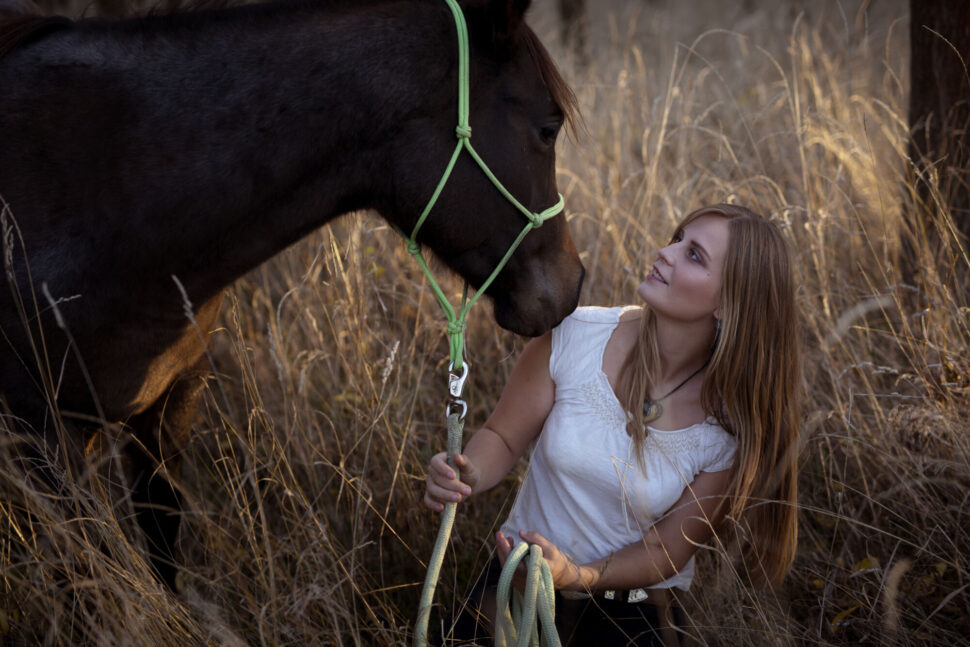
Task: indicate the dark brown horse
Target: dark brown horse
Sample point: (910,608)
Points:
(145,156)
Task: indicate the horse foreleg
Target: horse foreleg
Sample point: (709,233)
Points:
(162,433)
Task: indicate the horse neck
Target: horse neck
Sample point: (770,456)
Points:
(248,128)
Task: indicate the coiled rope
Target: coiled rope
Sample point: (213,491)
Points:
(518,625)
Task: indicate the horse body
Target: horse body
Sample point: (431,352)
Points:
(196,146)
(148,163)
(173,157)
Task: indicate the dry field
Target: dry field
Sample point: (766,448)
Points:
(303,523)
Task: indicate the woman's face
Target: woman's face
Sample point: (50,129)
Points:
(684,283)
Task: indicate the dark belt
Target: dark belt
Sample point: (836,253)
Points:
(660,597)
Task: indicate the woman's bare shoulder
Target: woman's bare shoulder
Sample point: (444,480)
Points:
(631,313)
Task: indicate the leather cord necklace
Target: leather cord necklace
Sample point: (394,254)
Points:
(652,409)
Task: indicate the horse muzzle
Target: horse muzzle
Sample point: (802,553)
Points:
(537,297)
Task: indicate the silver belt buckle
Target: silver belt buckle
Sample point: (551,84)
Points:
(632,596)
(636,595)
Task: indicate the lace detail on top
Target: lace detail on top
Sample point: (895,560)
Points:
(602,402)
(670,443)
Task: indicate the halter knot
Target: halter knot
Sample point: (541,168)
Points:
(455,327)
(414,248)
(463,132)
(535,220)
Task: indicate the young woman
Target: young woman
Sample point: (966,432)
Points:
(649,425)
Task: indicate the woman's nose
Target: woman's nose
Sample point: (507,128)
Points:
(666,253)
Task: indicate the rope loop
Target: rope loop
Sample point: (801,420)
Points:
(414,248)
(463,132)
(518,623)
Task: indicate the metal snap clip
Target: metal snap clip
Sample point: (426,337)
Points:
(455,382)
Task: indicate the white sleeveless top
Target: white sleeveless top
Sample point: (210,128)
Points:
(584,490)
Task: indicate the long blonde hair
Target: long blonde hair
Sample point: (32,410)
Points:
(752,385)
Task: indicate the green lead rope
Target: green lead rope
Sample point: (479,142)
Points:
(455,425)
(456,346)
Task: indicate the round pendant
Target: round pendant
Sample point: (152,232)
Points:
(651,410)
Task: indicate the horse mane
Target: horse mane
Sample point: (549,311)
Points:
(561,93)
(19,29)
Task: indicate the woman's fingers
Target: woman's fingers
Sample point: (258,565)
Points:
(439,465)
(444,472)
(447,491)
(469,473)
(504,548)
(534,537)
(562,569)
(550,551)
(442,484)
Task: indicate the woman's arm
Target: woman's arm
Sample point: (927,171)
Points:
(663,551)
(493,450)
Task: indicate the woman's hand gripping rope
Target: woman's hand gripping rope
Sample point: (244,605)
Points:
(442,484)
(516,624)
(565,573)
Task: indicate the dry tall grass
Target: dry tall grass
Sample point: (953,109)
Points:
(303,522)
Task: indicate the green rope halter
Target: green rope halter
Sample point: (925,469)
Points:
(456,321)
(456,344)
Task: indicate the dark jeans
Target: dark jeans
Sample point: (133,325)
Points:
(590,622)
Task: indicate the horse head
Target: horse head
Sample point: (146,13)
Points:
(518,105)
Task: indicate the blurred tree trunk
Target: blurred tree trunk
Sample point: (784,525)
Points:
(939,118)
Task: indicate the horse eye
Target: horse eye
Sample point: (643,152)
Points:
(549,132)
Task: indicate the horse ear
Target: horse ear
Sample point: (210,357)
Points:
(508,15)
(496,20)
